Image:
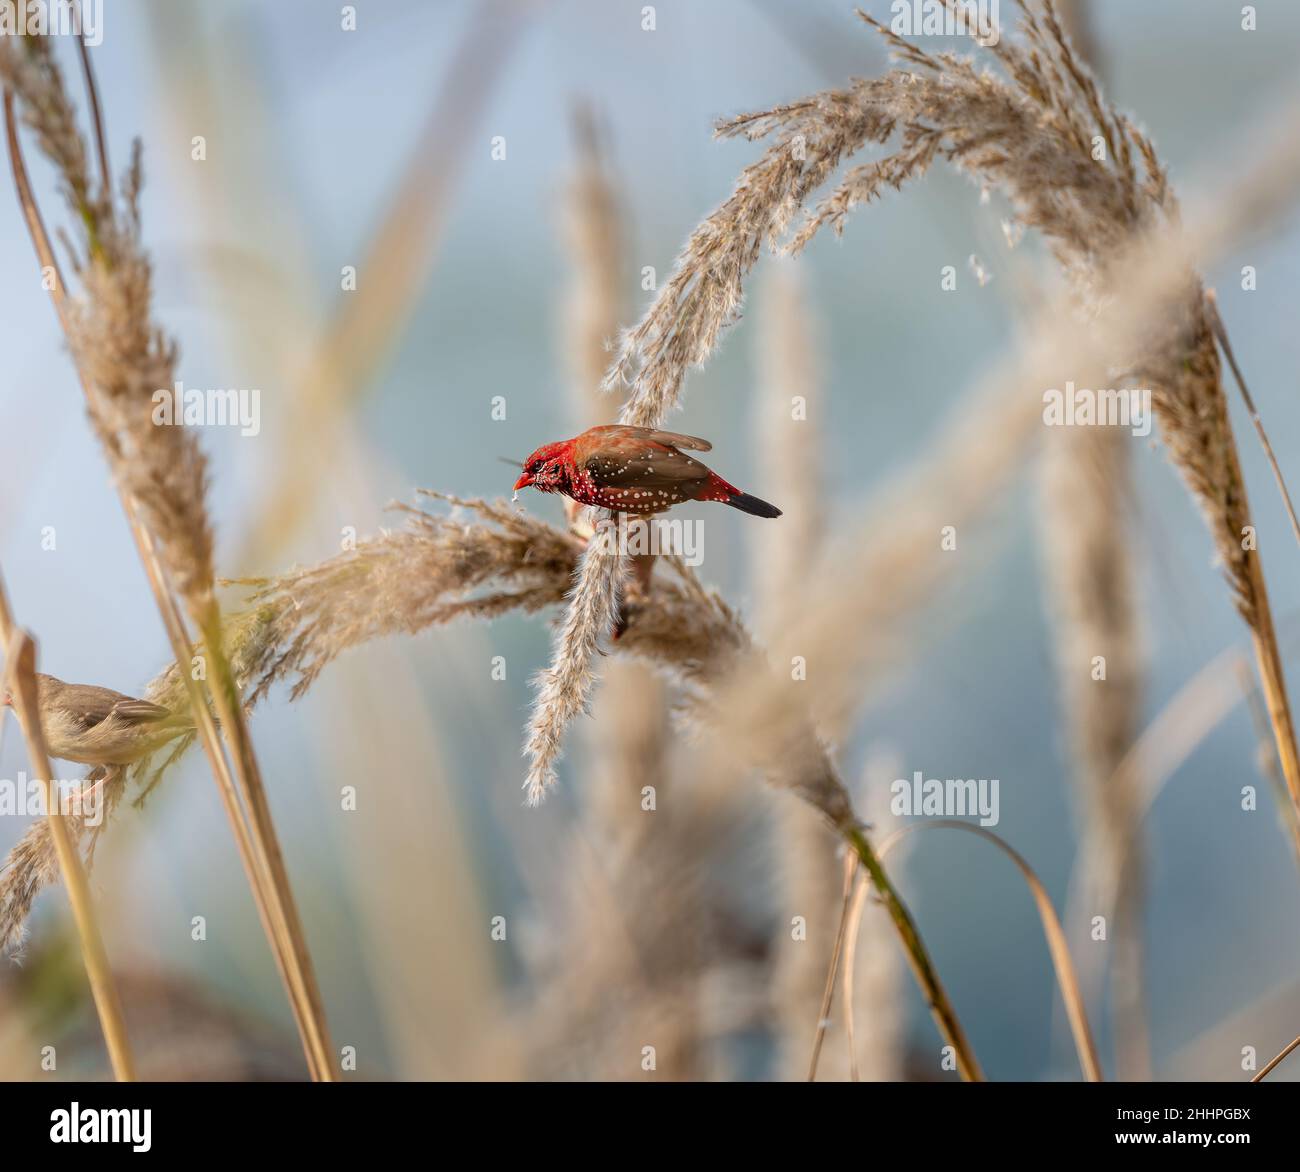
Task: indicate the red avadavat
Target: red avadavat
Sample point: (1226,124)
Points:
(633,470)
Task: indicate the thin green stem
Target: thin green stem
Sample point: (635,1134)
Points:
(927,976)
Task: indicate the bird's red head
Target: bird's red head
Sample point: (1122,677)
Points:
(547,469)
(6,700)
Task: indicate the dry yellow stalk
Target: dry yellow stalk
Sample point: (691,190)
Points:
(20,672)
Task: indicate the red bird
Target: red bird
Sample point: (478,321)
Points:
(633,470)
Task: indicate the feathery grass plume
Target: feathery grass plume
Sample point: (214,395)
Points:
(441,568)
(438,568)
(1034,133)
(1032,136)
(308,617)
(629,741)
(121,359)
(620,962)
(1084,493)
(563,689)
(679,331)
(32,863)
(629,946)
(124,358)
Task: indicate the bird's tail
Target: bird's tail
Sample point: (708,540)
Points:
(718,489)
(752,505)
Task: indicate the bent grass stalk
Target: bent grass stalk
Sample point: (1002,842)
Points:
(1277,1061)
(20,668)
(828,994)
(1066,976)
(927,976)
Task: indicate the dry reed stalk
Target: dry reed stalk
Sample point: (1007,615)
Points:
(20,676)
(1213,1053)
(1277,1060)
(1199,707)
(121,359)
(1150,278)
(866,999)
(331,361)
(629,949)
(874,1027)
(1057,946)
(441,568)
(870,580)
(849,888)
(790,443)
(790,450)
(1076,22)
(630,740)
(1085,490)
(1031,133)
(1033,136)
(625,955)
(679,331)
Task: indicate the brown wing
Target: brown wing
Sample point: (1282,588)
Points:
(675,439)
(141,712)
(93,705)
(653,468)
(672,439)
